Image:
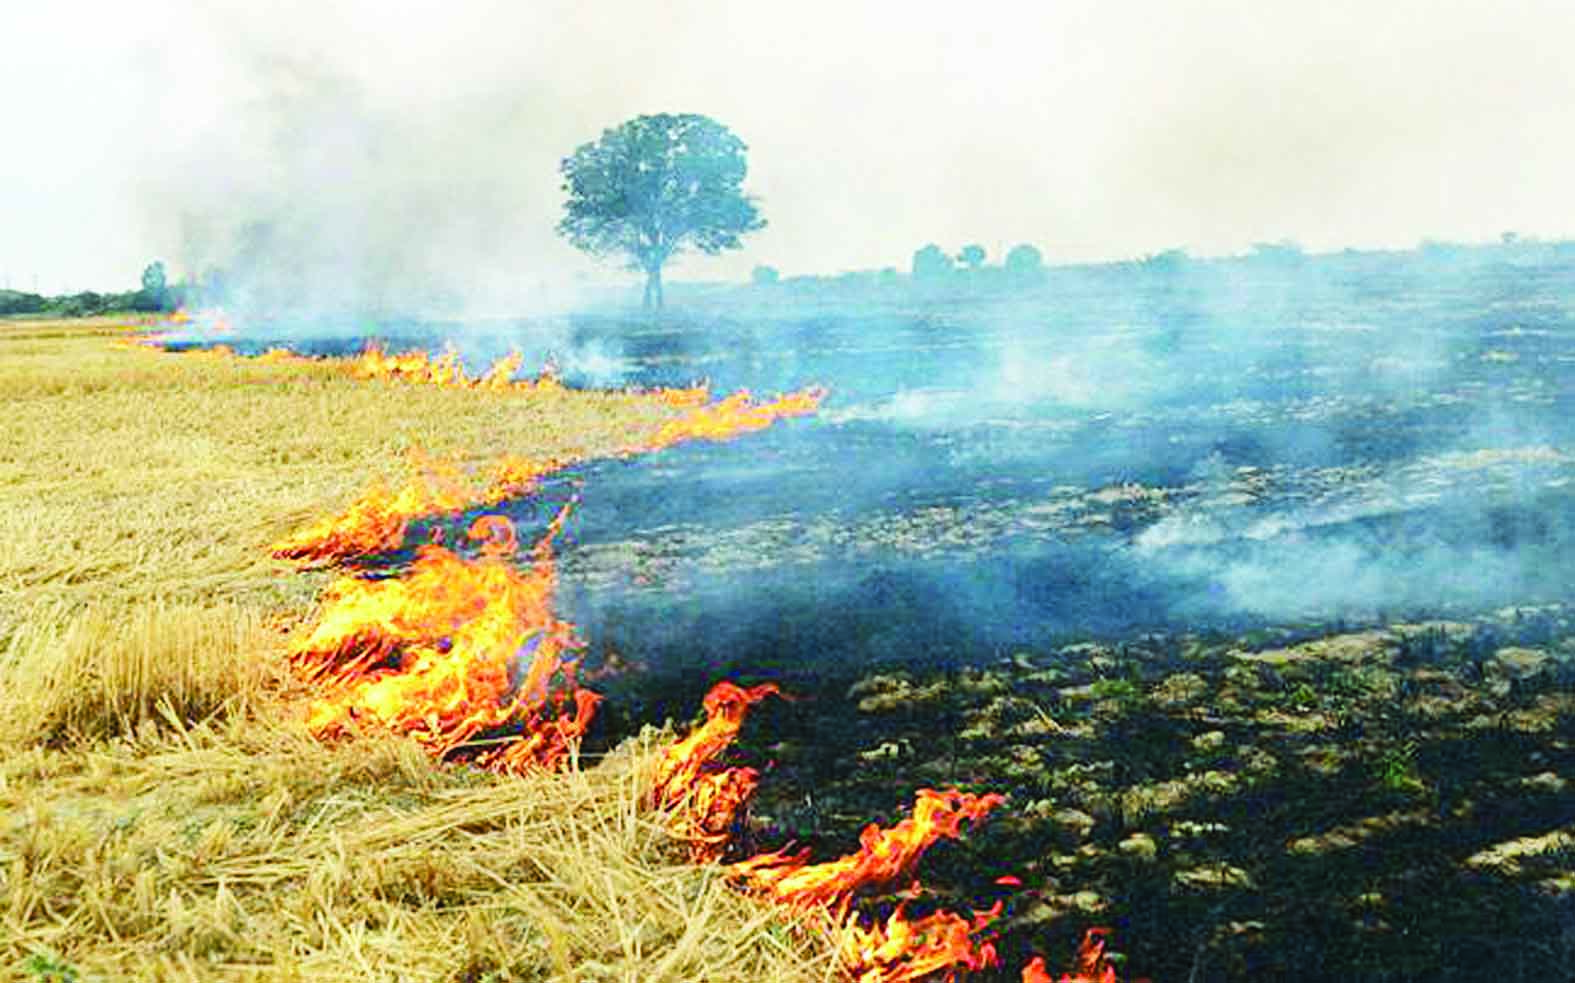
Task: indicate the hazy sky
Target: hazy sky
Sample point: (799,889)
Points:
(411,140)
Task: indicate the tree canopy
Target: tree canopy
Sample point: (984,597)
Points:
(654,187)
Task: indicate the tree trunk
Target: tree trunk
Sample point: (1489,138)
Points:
(653,288)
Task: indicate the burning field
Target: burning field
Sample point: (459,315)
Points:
(1160,649)
(206,785)
(167,811)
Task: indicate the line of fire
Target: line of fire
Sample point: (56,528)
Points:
(462,651)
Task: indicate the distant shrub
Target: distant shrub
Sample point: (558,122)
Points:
(1168,261)
(931,263)
(1024,261)
(1286,252)
(764,275)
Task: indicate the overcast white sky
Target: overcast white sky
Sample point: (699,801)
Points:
(413,139)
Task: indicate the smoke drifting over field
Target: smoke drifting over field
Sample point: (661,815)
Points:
(387,144)
(1109,450)
(320,198)
(1116,448)
(1359,437)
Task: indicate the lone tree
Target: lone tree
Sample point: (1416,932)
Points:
(155,287)
(655,186)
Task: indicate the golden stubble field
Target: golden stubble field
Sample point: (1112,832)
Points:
(164,814)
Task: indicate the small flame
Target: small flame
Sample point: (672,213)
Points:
(883,856)
(275,356)
(687,779)
(685,398)
(1091,966)
(499,377)
(430,654)
(906,949)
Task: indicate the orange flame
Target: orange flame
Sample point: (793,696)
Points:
(900,950)
(1092,965)
(379,518)
(904,949)
(734,415)
(884,854)
(446,369)
(684,398)
(429,654)
(274,356)
(413,366)
(500,375)
(707,797)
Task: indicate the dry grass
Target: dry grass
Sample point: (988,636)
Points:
(252,852)
(163,813)
(106,671)
(135,473)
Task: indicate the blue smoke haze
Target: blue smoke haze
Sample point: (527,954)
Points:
(1214,444)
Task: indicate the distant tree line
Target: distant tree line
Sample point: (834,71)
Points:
(1023,264)
(156,294)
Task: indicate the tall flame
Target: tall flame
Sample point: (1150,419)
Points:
(687,779)
(883,855)
(903,949)
(431,654)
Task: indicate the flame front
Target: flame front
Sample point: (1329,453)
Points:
(883,856)
(688,780)
(378,519)
(431,654)
(734,415)
(413,366)
(903,949)
(448,370)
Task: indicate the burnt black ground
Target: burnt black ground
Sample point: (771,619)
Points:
(1328,813)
